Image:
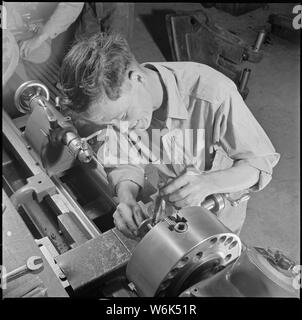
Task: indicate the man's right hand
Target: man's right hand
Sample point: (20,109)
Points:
(128,215)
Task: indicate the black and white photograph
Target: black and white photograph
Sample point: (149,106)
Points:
(150,152)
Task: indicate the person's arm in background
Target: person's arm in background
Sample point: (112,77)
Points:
(63,16)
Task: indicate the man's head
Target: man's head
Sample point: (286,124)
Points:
(103,82)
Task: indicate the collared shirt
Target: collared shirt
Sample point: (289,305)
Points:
(203,99)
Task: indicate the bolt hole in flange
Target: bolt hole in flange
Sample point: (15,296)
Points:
(181,263)
(222,239)
(172,273)
(229,240)
(197,257)
(233,244)
(213,241)
(228,257)
(164,285)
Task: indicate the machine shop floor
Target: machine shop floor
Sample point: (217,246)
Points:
(273,218)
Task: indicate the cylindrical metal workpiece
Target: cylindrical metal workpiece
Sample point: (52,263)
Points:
(259,40)
(73,142)
(215,203)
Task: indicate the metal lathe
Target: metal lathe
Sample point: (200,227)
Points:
(57,210)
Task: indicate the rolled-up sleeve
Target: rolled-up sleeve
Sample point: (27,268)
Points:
(243,139)
(121,173)
(120,164)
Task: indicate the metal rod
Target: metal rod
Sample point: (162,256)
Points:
(259,40)
(244,79)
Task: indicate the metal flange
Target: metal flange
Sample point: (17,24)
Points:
(28,91)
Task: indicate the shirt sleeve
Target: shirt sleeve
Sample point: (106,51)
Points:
(63,16)
(120,160)
(243,139)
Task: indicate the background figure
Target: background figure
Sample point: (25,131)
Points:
(106,17)
(45,21)
(34,24)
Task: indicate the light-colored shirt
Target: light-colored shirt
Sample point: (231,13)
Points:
(203,99)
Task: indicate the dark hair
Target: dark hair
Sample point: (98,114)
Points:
(94,67)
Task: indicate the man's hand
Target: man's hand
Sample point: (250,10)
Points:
(128,215)
(190,189)
(30,45)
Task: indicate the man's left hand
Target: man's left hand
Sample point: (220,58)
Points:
(190,189)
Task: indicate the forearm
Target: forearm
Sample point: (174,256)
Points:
(64,15)
(127,191)
(237,178)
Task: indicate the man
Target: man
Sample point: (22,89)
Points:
(104,83)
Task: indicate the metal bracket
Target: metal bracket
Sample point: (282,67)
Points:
(39,185)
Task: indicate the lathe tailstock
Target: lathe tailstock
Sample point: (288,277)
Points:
(57,204)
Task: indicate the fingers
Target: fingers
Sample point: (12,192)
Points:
(126,213)
(127,219)
(138,215)
(182,203)
(174,185)
(179,194)
(121,226)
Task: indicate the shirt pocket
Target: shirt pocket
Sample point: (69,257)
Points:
(221,160)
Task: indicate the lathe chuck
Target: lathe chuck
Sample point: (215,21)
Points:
(181,250)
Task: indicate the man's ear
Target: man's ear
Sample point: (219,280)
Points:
(135,75)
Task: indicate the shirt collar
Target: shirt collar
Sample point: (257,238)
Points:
(175,105)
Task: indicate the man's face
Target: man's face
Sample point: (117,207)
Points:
(134,106)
